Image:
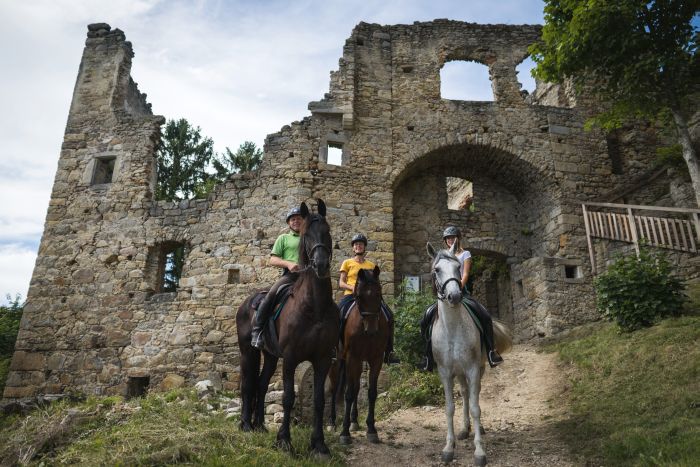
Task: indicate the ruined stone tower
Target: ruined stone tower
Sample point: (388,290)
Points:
(98,318)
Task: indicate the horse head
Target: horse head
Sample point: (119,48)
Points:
(315,241)
(445,273)
(368,298)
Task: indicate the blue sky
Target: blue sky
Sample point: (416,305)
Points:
(238,69)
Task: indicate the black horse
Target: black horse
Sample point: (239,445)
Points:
(308,329)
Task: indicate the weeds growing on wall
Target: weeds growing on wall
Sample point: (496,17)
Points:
(637,292)
(10,316)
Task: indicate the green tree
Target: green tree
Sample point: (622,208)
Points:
(10,316)
(638,56)
(247,158)
(183,156)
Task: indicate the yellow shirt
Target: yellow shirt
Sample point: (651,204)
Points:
(352,269)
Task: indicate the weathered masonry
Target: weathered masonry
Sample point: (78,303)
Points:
(101,319)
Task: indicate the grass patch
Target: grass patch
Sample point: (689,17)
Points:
(410,388)
(160,429)
(635,397)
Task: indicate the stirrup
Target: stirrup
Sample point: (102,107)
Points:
(257,340)
(494,358)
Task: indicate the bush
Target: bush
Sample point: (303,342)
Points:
(637,292)
(408,309)
(10,316)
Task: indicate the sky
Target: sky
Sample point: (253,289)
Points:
(237,69)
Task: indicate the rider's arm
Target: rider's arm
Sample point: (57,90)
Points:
(283,263)
(465,271)
(342,285)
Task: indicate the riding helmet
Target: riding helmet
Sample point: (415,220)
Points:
(451,231)
(358,238)
(293,212)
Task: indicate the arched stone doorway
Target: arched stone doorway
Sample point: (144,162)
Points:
(504,220)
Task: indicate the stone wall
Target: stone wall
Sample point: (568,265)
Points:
(95,317)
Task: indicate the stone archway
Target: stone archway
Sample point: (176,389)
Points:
(504,225)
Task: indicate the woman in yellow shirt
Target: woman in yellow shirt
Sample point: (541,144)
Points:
(348,278)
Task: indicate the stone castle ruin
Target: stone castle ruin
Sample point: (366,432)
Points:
(101,319)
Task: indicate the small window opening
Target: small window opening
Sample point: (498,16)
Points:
(137,386)
(234,276)
(335,153)
(460,194)
(572,272)
(614,151)
(104,170)
(173,259)
(524,73)
(465,81)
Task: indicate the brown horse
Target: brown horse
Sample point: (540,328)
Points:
(364,340)
(308,330)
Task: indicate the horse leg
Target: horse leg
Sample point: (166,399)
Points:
(269,366)
(284,440)
(448,452)
(353,369)
(474,378)
(318,443)
(464,432)
(250,362)
(354,424)
(374,369)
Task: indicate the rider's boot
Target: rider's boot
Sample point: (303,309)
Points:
(389,355)
(260,319)
(492,355)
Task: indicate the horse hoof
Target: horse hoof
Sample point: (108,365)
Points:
(345,440)
(480,461)
(284,445)
(482,430)
(464,434)
(246,427)
(354,426)
(322,456)
(448,456)
(373,438)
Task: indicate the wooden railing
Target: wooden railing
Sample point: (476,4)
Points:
(604,220)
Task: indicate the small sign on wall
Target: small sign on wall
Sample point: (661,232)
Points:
(412,283)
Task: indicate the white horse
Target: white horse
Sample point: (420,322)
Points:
(458,351)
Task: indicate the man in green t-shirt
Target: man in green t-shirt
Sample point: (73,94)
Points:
(284,255)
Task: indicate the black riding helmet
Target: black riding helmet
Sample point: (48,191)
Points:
(358,238)
(293,212)
(451,231)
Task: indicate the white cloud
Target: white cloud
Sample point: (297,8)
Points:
(238,69)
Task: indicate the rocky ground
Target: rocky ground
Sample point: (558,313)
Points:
(519,402)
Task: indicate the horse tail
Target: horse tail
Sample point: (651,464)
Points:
(502,337)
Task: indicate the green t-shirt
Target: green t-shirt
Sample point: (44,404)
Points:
(287,247)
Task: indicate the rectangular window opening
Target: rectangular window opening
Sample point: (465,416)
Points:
(104,170)
(335,153)
(137,386)
(234,276)
(572,272)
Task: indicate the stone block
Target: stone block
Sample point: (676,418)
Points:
(27,361)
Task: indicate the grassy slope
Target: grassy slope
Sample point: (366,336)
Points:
(160,429)
(635,397)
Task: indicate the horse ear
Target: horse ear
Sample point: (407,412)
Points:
(361,276)
(431,250)
(321,208)
(304,210)
(453,248)
(376,272)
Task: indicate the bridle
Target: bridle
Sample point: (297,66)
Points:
(310,251)
(440,287)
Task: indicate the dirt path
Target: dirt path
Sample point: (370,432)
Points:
(517,413)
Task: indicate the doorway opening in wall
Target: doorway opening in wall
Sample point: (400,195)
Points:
(460,194)
(334,153)
(137,386)
(465,81)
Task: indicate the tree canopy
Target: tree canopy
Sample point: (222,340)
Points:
(638,56)
(189,168)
